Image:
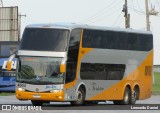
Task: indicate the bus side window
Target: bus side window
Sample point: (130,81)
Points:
(73,51)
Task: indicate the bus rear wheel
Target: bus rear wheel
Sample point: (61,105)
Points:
(126,98)
(135,95)
(80,98)
(133,98)
(37,102)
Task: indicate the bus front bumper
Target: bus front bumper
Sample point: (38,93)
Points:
(49,96)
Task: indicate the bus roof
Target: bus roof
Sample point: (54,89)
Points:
(71,26)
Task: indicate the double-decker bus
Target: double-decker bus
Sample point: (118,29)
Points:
(83,64)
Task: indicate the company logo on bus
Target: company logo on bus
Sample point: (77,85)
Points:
(14,65)
(51,87)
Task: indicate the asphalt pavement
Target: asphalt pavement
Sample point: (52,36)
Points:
(60,107)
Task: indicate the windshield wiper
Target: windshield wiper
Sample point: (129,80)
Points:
(24,81)
(21,81)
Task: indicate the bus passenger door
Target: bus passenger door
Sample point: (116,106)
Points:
(70,72)
(69,79)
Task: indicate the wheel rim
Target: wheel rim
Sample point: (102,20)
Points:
(134,95)
(79,95)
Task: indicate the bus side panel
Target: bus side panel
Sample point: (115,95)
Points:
(146,72)
(137,77)
(114,89)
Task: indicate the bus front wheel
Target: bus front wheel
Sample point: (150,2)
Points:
(80,97)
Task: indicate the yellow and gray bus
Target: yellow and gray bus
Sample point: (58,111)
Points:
(83,64)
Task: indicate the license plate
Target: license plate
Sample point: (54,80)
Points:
(36,96)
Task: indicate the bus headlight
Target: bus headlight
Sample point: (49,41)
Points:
(55,91)
(21,89)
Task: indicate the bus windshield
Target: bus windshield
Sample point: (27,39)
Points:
(38,70)
(44,39)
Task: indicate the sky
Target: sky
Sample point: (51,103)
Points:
(92,12)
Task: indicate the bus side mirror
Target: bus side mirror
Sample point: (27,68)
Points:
(9,65)
(62,68)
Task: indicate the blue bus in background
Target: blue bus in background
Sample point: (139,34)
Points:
(7,78)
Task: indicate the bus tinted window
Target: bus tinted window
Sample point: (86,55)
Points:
(117,40)
(97,71)
(39,39)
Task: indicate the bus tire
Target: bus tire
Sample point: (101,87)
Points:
(80,96)
(37,102)
(134,97)
(126,98)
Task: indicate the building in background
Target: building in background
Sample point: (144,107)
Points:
(9,31)
(9,27)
